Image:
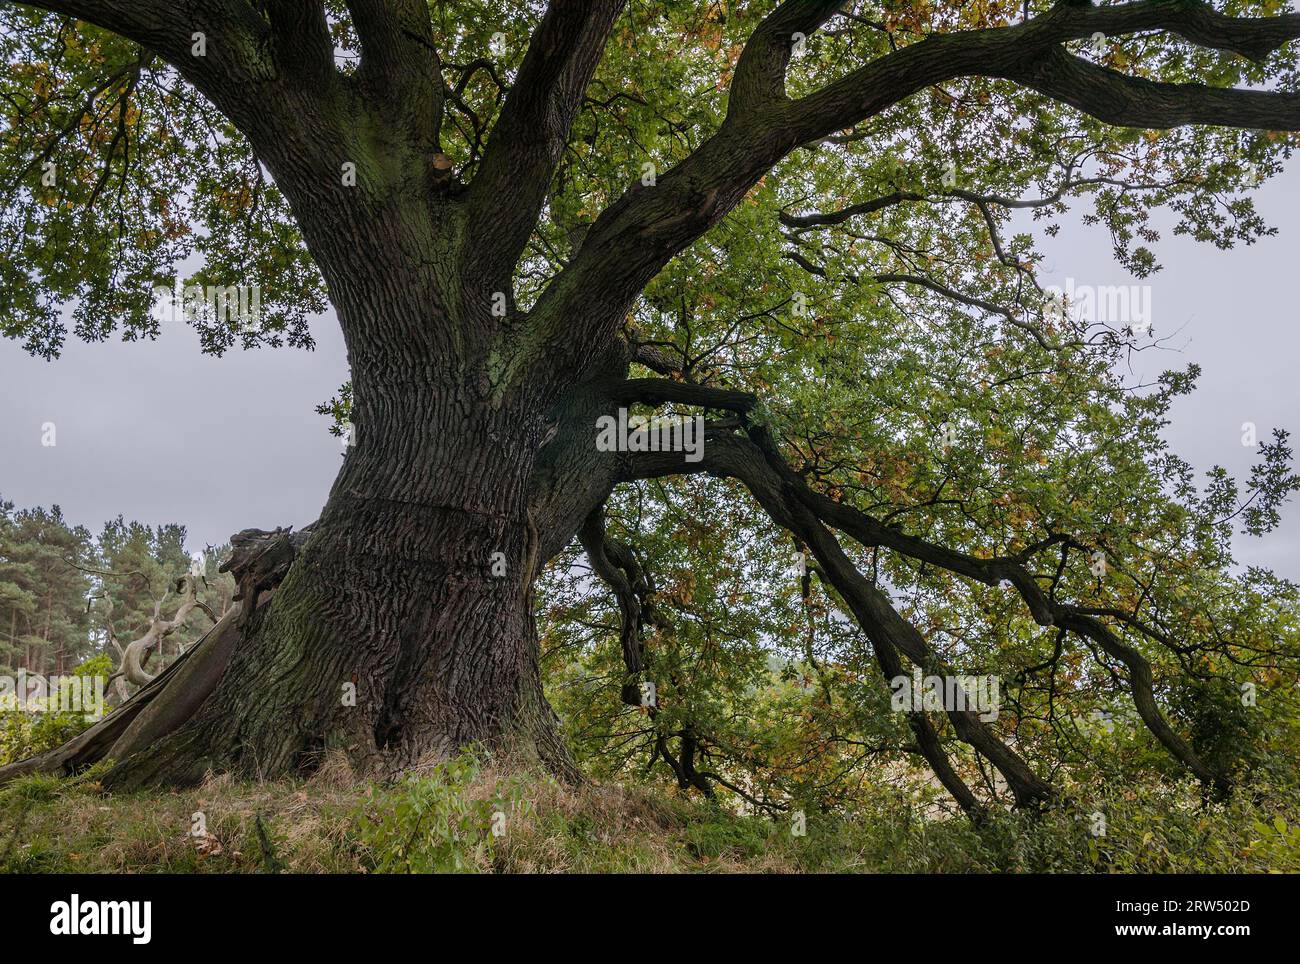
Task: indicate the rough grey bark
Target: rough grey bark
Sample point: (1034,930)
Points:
(403,628)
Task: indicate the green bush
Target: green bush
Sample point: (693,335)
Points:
(724,835)
(26,732)
(1164,829)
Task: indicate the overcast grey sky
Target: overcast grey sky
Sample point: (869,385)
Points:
(158,432)
(1233,313)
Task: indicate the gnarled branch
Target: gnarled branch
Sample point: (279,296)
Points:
(634,237)
(530,135)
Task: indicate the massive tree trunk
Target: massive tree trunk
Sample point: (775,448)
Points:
(403,629)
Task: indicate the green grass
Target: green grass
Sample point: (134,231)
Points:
(441,819)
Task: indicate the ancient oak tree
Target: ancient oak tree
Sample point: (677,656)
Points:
(794,220)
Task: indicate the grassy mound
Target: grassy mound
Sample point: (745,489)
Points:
(467,816)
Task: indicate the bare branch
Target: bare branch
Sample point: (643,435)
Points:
(137,653)
(656,391)
(759,81)
(595,544)
(302,38)
(656,359)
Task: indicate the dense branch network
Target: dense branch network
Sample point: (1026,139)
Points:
(271,71)
(640,232)
(752,457)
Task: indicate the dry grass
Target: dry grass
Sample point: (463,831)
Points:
(311,827)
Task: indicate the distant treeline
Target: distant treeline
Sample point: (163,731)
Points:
(61,585)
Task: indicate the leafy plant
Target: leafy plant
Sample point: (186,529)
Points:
(430,823)
(26,731)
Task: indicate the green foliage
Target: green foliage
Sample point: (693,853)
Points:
(1157,830)
(58,585)
(116,172)
(428,823)
(724,835)
(25,733)
(43,618)
(1277,845)
(44,724)
(1053,453)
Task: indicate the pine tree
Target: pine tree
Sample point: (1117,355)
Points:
(42,593)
